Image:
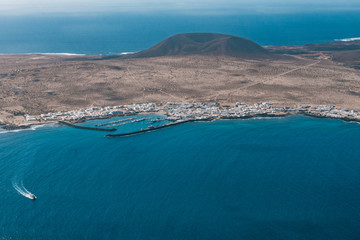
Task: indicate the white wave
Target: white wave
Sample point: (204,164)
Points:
(31,128)
(126,53)
(62,54)
(39,53)
(348,39)
(12,131)
(21,189)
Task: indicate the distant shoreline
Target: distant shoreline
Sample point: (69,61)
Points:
(70,54)
(67,54)
(339,40)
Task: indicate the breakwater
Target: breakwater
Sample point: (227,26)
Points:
(159,127)
(268,115)
(211,119)
(88,128)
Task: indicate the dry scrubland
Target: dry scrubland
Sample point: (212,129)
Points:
(37,84)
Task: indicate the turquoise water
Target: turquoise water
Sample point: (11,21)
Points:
(286,178)
(127,124)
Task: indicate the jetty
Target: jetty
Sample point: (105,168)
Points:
(115,122)
(87,128)
(158,127)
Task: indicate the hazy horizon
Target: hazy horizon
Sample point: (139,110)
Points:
(111,27)
(200,7)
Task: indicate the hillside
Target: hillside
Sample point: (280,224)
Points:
(210,44)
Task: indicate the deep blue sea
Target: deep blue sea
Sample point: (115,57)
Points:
(290,178)
(284,178)
(117,33)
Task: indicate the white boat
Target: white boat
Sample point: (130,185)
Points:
(32,196)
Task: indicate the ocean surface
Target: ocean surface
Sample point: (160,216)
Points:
(118,33)
(280,178)
(288,178)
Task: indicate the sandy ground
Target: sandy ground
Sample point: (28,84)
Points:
(36,84)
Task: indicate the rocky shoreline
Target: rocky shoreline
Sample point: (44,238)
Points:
(10,127)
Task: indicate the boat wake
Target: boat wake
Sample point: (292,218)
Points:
(22,190)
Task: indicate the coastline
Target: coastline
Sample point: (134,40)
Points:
(267,111)
(28,89)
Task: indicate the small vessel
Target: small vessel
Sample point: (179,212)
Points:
(19,187)
(32,196)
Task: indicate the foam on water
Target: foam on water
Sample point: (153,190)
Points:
(31,128)
(60,54)
(348,39)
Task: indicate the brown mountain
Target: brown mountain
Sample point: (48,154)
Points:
(205,44)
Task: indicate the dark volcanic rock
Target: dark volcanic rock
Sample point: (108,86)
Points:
(14,127)
(334,46)
(211,44)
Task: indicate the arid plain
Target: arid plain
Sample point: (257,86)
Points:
(35,84)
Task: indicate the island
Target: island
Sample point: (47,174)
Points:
(194,76)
